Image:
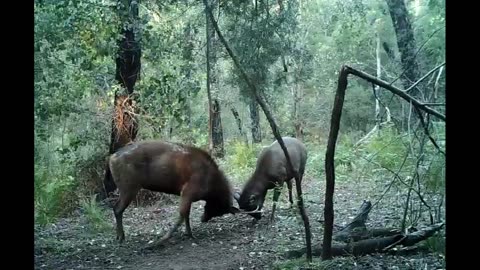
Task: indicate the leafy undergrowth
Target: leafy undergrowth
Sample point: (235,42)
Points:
(229,242)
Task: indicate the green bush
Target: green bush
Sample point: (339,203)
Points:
(388,148)
(96,216)
(240,161)
(55,195)
(436,244)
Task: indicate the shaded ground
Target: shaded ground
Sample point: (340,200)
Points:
(229,242)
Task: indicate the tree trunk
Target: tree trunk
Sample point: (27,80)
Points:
(405,42)
(255,117)
(215,122)
(376,87)
(297,122)
(217,131)
(329,163)
(239,123)
(191,86)
(124,124)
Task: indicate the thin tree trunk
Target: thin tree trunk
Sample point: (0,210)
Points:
(217,132)
(209,81)
(187,70)
(239,123)
(377,88)
(255,117)
(276,133)
(296,118)
(215,122)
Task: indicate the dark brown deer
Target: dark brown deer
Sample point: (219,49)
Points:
(173,169)
(271,173)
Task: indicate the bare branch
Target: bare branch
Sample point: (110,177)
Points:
(434,104)
(426,75)
(427,132)
(419,49)
(395,90)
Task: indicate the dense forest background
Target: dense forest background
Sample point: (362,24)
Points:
(185,88)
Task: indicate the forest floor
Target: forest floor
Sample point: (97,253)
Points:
(228,242)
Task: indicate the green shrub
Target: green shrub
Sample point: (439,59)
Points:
(96,216)
(240,161)
(54,196)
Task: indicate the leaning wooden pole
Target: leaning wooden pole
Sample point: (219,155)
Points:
(332,140)
(275,131)
(329,163)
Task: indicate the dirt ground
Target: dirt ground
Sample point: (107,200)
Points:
(228,242)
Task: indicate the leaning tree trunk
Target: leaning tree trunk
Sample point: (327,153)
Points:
(255,118)
(215,122)
(124,123)
(276,133)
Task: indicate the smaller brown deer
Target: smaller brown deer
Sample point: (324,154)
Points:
(271,173)
(170,168)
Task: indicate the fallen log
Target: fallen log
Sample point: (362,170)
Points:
(357,226)
(374,245)
(359,248)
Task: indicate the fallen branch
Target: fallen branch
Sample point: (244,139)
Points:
(357,225)
(374,245)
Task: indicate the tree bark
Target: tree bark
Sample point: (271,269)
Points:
(187,70)
(405,42)
(239,124)
(217,132)
(124,124)
(215,123)
(377,88)
(329,163)
(255,124)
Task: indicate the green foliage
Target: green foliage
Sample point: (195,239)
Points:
(358,109)
(388,149)
(74,80)
(54,195)
(96,216)
(240,161)
(435,243)
(315,162)
(298,264)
